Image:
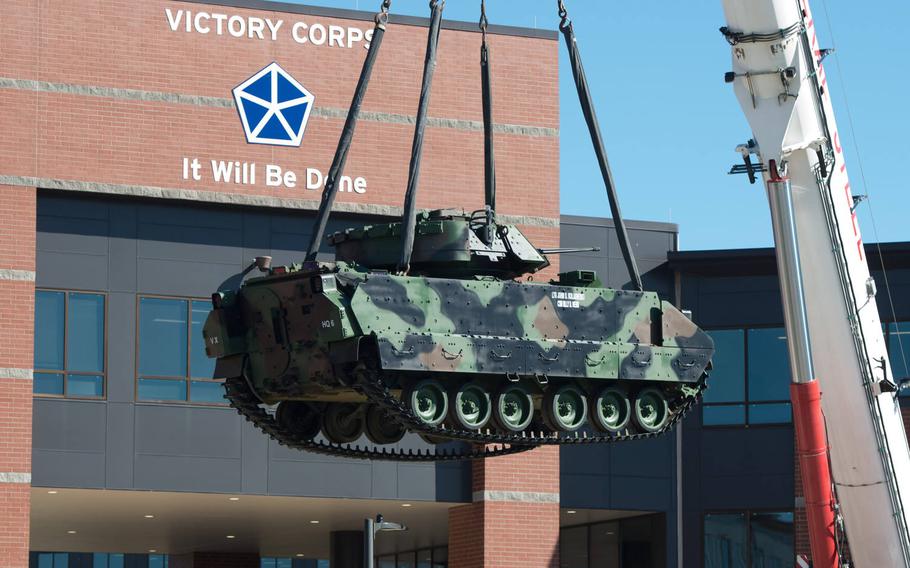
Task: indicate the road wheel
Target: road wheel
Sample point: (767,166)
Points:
(301,418)
(471,406)
(513,408)
(381,428)
(342,423)
(428,401)
(651,411)
(565,408)
(611,410)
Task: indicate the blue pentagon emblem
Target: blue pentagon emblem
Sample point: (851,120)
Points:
(273,107)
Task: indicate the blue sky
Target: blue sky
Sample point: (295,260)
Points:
(670,123)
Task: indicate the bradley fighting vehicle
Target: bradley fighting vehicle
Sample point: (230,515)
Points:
(432,325)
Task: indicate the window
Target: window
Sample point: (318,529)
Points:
(899,352)
(105,560)
(172,364)
(751,378)
(748,540)
(425,558)
(269,562)
(96,560)
(638,541)
(69,344)
(52,560)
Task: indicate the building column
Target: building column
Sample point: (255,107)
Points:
(513,520)
(214,560)
(346,549)
(17,313)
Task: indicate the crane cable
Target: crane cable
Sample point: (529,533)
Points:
(862,174)
(587,107)
(409,217)
(347,133)
(489,160)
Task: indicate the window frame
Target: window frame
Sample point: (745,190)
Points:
(748,518)
(188,379)
(886,334)
(433,550)
(66,373)
(746,402)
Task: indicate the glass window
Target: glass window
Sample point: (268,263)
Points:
(573,547)
(771,536)
(406,560)
(202,367)
(750,381)
(173,365)
(769,365)
(104,560)
(898,338)
(425,559)
(69,338)
(605,545)
(162,337)
(48,383)
(725,541)
(728,380)
(718,414)
(769,413)
(49,318)
(85,330)
(440,557)
(386,562)
(749,540)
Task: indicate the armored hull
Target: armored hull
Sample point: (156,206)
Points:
(345,349)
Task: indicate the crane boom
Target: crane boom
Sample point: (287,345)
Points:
(781,86)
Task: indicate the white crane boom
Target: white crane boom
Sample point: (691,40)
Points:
(781,85)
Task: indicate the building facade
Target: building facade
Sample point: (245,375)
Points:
(151,152)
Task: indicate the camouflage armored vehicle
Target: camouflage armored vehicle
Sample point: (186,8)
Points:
(434,325)
(458,348)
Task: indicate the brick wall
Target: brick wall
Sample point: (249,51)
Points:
(17,296)
(514,519)
(105,97)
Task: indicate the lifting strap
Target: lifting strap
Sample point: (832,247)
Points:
(587,107)
(347,133)
(489,160)
(409,217)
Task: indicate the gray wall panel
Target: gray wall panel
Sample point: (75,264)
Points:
(350,478)
(123,247)
(186,431)
(130,247)
(68,440)
(255,464)
(69,425)
(71,272)
(182,278)
(51,468)
(641,493)
(615,476)
(185,473)
(415,481)
(119,445)
(121,347)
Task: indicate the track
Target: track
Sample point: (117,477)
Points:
(485,444)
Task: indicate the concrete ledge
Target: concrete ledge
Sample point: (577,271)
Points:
(516,497)
(15,477)
(13,373)
(219,102)
(235,199)
(17,275)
